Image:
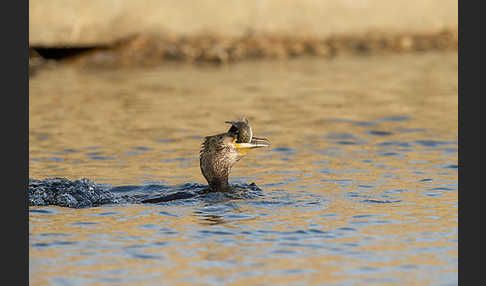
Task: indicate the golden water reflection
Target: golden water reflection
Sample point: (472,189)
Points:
(359,186)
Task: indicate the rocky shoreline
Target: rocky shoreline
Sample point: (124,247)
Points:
(145,50)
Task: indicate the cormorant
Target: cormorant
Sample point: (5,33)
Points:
(220,152)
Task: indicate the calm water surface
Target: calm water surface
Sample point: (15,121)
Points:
(358,188)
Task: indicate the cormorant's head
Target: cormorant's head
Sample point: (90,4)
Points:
(243,137)
(220,152)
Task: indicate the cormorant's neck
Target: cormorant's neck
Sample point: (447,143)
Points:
(219,184)
(216,158)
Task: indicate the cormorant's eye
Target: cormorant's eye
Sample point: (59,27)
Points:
(238,135)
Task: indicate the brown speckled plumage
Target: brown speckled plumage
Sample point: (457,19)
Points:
(220,152)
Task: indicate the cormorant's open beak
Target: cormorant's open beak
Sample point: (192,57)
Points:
(259,142)
(254,143)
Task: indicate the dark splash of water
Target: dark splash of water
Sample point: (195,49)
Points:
(85,193)
(65,193)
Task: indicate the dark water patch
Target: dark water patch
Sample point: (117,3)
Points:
(388,154)
(69,150)
(379,133)
(41,211)
(395,118)
(347,229)
(433,143)
(409,130)
(375,201)
(298,232)
(338,181)
(295,271)
(341,136)
(124,189)
(449,150)
(369,216)
(166,231)
(344,139)
(144,256)
(54,243)
(93,147)
(215,232)
(425,180)
(285,152)
(40,244)
(300,245)
(160,243)
(47,159)
(347,143)
(131,153)
(149,226)
(442,189)
(142,148)
(50,234)
(164,213)
(398,191)
(101,158)
(82,223)
(395,144)
(365,216)
(94,153)
(364,186)
(164,140)
(364,123)
(321,162)
(275,184)
(107,213)
(283,149)
(453,166)
(383,221)
(366,269)
(317,231)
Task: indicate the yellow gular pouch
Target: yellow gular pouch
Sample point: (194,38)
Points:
(242,147)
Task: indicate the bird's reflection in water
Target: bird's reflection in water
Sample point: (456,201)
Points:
(209,219)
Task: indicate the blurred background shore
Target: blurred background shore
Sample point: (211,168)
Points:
(139,33)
